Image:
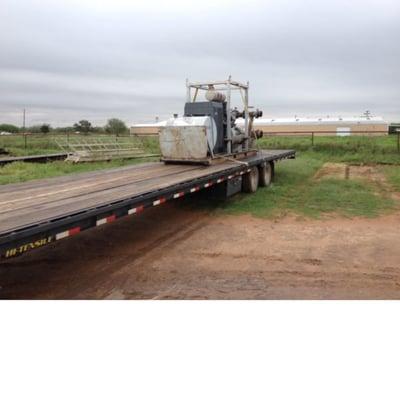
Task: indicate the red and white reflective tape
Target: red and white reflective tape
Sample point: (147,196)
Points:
(230,176)
(208,184)
(69,232)
(135,210)
(220,180)
(195,189)
(106,220)
(180,194)
(159,201)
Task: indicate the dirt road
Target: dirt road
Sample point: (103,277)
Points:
(174,253)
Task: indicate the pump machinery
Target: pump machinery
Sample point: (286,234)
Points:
(210,130)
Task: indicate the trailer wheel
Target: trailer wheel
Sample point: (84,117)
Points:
(250,181)
(266,174)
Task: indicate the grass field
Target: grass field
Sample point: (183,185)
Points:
(35,144)
(18,145)
(22,172)
(351,149)
(295,190)
(393,176)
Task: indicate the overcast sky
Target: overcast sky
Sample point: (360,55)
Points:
(69,60)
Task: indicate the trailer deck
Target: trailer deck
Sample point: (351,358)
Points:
(39,212)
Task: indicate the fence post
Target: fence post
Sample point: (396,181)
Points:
(312,139)
(25,140)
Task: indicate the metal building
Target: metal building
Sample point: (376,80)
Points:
(327,126)
(151,129)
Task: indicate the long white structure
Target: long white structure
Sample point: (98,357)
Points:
(326,126)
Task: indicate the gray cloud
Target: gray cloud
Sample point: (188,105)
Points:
(66,61)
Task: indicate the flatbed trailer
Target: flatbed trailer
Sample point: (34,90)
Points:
(40,212)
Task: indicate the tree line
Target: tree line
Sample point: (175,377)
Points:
(114,126)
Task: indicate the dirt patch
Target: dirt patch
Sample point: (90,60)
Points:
(171,253)
(331,170)
(346,171)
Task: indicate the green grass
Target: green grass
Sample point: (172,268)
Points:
(22,172)
(351,149)
(296,192)
(291,176)
(15,145)
(46,144)
(344,197)
(392,174)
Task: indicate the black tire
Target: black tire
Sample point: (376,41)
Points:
(266,172)
(250,181)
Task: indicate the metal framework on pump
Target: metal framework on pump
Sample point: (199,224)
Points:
(227,87)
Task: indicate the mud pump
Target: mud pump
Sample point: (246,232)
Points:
(209,130)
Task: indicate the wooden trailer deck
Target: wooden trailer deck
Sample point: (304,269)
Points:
(43,207)
(37,201)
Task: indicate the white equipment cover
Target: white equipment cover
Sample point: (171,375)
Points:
(188,138)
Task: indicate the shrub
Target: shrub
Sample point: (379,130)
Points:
(116,127)
(9,128)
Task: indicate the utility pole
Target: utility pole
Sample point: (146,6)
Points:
(23,130)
